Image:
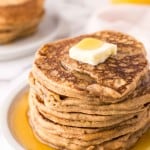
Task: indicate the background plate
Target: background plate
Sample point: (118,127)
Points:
(49,28)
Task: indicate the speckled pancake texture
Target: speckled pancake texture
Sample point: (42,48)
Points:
(77,106)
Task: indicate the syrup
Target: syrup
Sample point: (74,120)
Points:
(22,131)
(20,127)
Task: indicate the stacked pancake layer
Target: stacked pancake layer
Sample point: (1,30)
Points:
(75,106)
(19,18)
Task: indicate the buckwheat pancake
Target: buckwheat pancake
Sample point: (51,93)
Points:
(11,26)
(77,119)
(25,30)
(21,13)
(80,141)
(115,144)
(78,106)
(86,134)
(110,81)
(120,143)
(134,103)
(78,137)
(19,18)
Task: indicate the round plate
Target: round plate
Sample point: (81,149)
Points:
(50,27)
(18,87)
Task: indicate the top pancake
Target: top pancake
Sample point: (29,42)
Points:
(112,80)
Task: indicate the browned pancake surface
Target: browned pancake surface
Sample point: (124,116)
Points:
(113,79)
(77,106)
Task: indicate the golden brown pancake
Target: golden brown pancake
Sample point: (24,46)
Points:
(42,127)
(58,103)
(10,35)
(76,106)
(110,81)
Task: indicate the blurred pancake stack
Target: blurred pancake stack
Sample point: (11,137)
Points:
(77,106)
(19,18)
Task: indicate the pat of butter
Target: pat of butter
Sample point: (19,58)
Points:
(92,51)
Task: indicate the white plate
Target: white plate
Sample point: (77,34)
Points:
(7,141)
(48,30)
(18,87)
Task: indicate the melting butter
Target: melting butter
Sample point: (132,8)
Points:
(92,51)
(89,44)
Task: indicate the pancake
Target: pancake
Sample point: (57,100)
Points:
(19,18)
(86,139)
(71,137)
(10,35)
(77,106)
(77,119)
(42,126)
(82,133)
(110,81)
(120,143)
(18,14)
(11,26)
(57,103)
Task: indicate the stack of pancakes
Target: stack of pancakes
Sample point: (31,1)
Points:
(76,106)
(19,18)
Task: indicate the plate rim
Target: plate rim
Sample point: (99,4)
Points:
(7,139)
